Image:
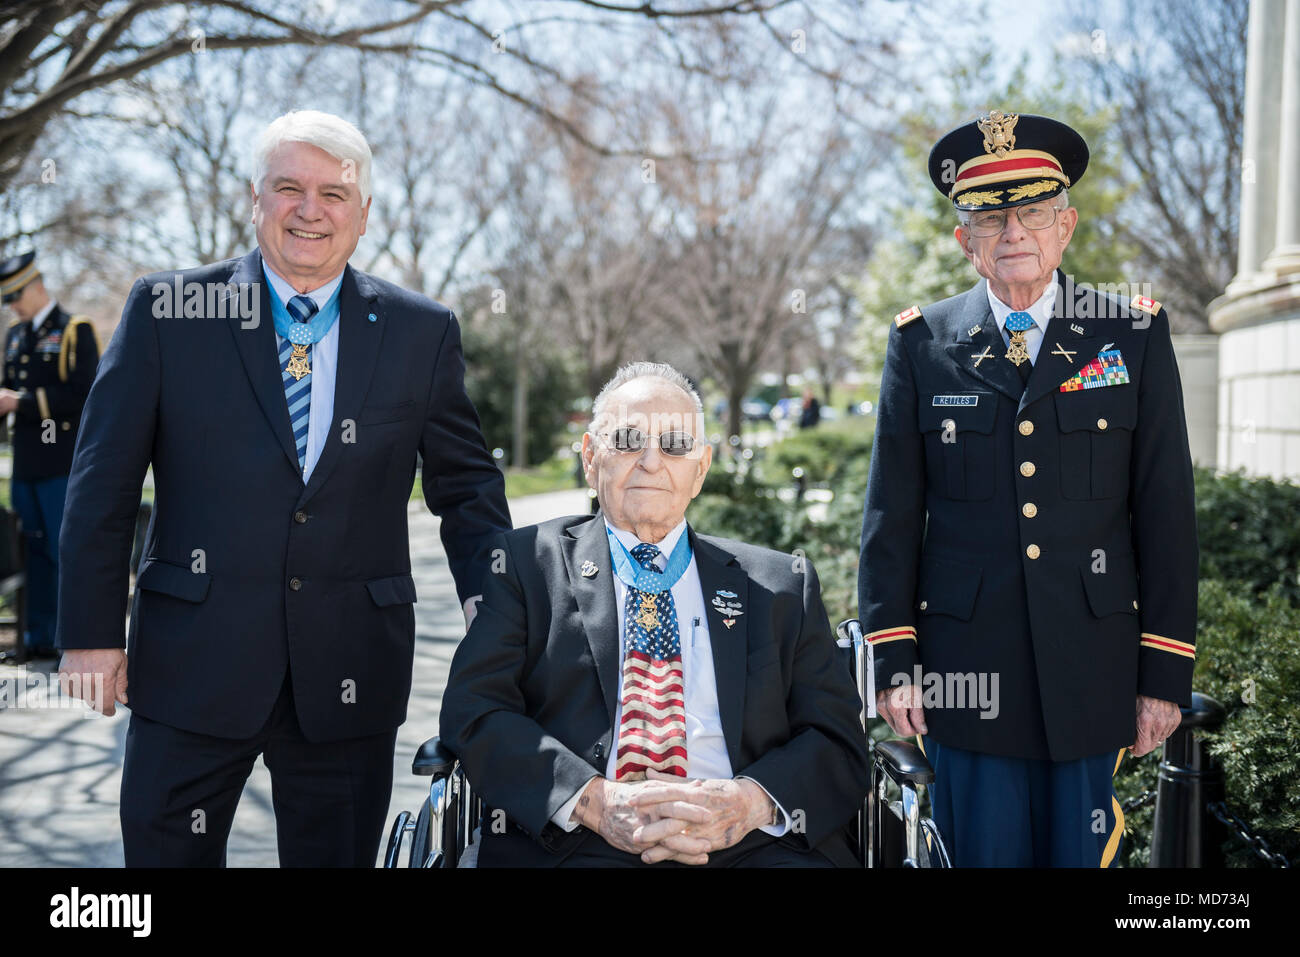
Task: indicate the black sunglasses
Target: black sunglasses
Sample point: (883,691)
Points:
(628,439)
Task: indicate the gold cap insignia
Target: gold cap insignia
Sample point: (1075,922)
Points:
(997,129)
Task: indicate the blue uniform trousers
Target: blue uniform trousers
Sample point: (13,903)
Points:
(39,505)
(996,811)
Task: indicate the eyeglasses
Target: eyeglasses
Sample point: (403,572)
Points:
(628,439)
(993,221)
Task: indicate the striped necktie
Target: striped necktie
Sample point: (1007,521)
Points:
(297,392)
(652,729)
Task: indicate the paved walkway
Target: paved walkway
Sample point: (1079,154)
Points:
(60,772)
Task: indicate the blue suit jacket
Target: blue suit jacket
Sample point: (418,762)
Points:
(247,571)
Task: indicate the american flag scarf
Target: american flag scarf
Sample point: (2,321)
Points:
(652,730)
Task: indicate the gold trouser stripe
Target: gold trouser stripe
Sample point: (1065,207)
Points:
(1112,842)
(43,402)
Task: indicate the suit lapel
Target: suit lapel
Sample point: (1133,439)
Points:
(257,351)
(720,573)
(359,340)
(982,353)
(1069,343)
(595,597)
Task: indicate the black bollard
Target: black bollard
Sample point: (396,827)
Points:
(1185,833)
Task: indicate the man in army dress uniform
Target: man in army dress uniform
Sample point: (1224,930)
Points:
(1029,554)
(49,365)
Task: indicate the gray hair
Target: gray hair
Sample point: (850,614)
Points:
(328,132)
(645,370)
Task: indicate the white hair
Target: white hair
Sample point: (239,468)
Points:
(328,132)
(645,370)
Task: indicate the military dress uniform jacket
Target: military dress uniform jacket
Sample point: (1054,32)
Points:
(1045,540)
(53,369)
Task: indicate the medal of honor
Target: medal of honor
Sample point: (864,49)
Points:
(647,617)
(1016,351)
(299,364)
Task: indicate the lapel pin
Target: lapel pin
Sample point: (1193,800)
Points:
(373,318)
(725,604)
(1076,328)
(589,569)
(1067,354)
(980,357)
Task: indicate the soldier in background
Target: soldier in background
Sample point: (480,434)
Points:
(49,365)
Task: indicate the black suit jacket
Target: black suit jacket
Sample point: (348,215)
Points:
(248,571)
(1044,538)
(530,703)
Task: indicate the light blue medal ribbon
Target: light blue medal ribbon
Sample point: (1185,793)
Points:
(305,333)
(634,575)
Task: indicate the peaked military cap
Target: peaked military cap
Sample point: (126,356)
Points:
(1007,159)
(16,273)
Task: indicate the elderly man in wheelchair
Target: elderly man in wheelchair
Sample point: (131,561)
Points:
(634,693)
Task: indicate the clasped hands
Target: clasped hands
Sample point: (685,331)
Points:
(666,817)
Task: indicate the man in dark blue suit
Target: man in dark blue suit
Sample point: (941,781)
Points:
(281,399)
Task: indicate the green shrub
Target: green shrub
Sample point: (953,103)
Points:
(1249,531)
(1246,646)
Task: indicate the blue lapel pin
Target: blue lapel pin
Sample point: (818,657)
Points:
(373,317)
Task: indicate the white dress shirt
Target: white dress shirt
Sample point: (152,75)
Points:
(39,318)
(324,364)
(1041,311)
(706,747)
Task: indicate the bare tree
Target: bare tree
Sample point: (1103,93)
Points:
(54,52)
(1177,89)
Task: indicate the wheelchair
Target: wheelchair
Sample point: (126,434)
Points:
(889,832)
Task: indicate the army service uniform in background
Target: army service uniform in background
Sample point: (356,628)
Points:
(50,360)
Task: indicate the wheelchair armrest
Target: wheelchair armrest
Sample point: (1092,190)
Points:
(903,761)
(433,759)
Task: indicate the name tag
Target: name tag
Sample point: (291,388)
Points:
(955,400)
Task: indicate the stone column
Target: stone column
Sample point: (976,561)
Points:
(1285,258)
(1258,227)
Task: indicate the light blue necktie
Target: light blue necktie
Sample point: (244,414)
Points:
(297,392)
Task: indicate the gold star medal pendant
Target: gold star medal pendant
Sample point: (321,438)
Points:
(647,615)
(1018,323)
(301,336)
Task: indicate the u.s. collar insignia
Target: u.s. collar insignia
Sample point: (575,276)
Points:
(589,569)
(1076,328)
(725,603)
(972,330)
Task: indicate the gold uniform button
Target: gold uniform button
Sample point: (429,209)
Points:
(1029,509)
(1026,427)
(23,374)
(22,358)
(1033,551)
(924,605)
(1101,424)
(1027,469)
(1135,605)
(67,426)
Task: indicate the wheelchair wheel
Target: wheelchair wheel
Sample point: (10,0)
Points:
(422,838)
